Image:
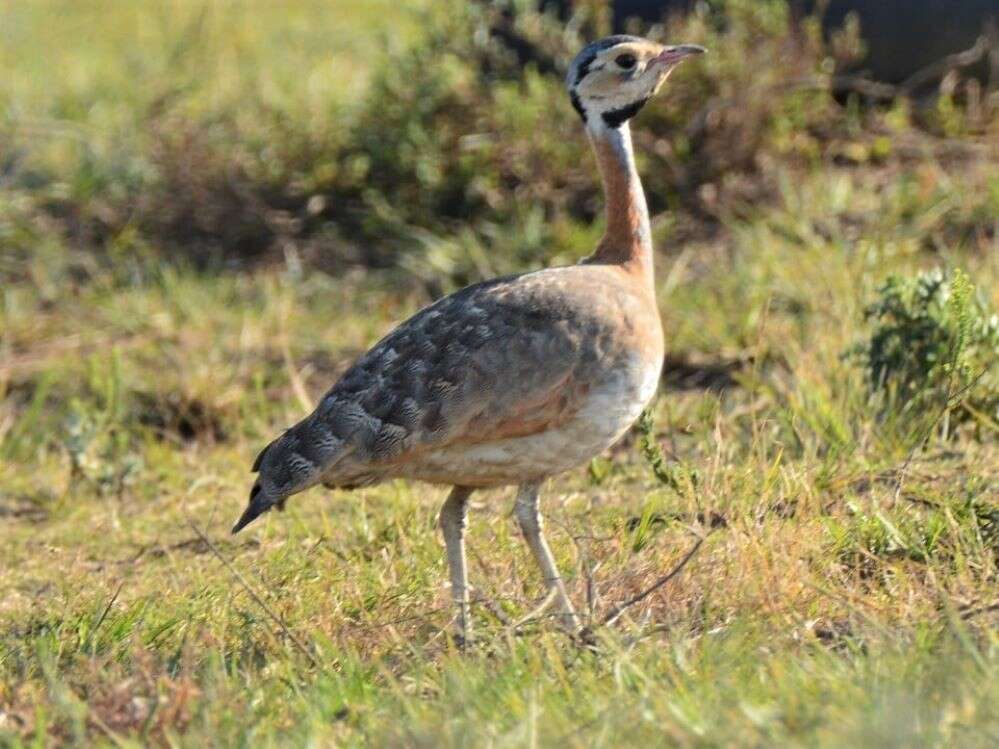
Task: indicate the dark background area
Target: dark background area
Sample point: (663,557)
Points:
(903,36)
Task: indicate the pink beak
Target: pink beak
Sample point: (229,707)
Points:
(670,56)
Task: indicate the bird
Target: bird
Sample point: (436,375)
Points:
(512,380)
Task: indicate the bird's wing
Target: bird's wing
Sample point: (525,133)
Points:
(496,360)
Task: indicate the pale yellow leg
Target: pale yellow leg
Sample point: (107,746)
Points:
(453,522)
(529,517)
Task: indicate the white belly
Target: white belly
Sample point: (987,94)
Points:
(609,410)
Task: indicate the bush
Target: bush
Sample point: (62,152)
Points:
(933,354)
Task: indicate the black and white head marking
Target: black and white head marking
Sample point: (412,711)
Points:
(611,79)
(583,65)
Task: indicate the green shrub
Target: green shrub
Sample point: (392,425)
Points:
(933,354)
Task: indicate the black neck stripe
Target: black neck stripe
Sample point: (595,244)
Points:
(616,117)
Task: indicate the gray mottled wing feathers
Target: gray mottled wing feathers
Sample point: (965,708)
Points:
(494,360)
(456,370)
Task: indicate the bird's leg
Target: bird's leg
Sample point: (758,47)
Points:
(529,517)
(453,523)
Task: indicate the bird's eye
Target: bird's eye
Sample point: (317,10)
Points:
(625,61)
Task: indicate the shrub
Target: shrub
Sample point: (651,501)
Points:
(931,358)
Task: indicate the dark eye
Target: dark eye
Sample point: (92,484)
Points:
(625,61)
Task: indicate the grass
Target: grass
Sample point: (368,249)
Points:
(99,74)
(845,592)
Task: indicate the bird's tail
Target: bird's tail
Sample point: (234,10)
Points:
(259,504)
(290,464)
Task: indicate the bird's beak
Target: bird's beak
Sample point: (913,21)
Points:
(671,56)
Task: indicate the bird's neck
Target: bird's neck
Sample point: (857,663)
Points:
(627,240)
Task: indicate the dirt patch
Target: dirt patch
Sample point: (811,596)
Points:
(692,371)
(180,418)
(28,509)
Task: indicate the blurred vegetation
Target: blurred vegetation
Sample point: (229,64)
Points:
(208,210)
(451,162)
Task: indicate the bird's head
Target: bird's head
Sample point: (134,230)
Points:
(611,79)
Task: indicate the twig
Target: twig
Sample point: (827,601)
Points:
(107,609)
(591,586)
(963,59)
(614,614)
(969,613)
(479,597)
(492,607)
(860,85)
(297,386)
(920,501)
(887,91)
(952,400)
(253,594)
(587,568)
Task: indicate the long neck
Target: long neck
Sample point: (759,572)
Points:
(627,240)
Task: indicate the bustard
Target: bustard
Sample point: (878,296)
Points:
(513,380)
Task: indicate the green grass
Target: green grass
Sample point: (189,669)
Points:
(845,593)
(96,64)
